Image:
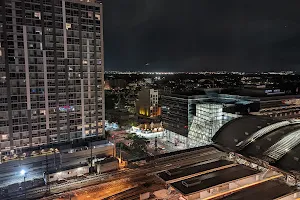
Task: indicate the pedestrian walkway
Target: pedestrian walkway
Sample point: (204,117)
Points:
(170,146)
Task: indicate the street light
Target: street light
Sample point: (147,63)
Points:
(23,173)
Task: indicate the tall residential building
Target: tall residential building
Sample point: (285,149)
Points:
(51,72)
(147,103)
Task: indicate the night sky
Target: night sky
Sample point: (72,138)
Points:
(202,35)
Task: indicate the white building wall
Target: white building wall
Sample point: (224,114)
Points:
(209,118)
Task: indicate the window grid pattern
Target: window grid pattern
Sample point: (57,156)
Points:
(208,120)
(42,79)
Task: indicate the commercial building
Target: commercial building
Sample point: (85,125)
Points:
(52,72)
(272,102)
(192,118)
(207,121)
(284,107)
(147,103)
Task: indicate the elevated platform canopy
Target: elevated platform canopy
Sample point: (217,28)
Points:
(265,138)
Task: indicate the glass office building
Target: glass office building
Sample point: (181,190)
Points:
(208,120)
(192,118)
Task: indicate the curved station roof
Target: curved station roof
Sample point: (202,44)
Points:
(269,139)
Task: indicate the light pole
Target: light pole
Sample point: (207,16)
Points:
(115,147)
(91,148)
(24,173)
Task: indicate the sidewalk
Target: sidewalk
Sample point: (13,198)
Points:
(169,145)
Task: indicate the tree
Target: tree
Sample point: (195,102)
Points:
(107,135)
(122,146)
(130,136)
(129,122)
(133,123)
(139,145)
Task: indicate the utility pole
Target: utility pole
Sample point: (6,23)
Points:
(47,172)
(91,147)
(54,152)
(120,154)
(115,147)
(25,185)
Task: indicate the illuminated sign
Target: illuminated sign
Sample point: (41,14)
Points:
(268,91)
(66,108)
(275,91)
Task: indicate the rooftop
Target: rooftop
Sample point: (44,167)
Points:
(268,190)
(186,171)
(240,129)
(205,181)
(281,97)
(51,171)
(107,160)
(275,141)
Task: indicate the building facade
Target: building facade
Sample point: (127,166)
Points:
(147,103)
(178,111)
(209,118)
(192,119)
(52,72)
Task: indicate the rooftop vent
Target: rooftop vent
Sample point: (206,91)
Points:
(191,183)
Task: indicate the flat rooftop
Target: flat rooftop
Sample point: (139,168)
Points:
(267,190)
(187,95)
(280,97)
(215,178)
(186,171)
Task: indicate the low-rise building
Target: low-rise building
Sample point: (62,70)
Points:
(147,103)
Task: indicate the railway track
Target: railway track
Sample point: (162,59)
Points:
(154,166)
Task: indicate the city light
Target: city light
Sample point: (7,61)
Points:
(181,108)
(22,172)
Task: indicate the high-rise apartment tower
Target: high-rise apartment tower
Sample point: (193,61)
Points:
(51,72)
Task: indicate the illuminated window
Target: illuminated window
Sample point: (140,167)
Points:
(68,26)
(43,112)
(4,137)
(37,15)
(0,52)
(97,16)
(84,62)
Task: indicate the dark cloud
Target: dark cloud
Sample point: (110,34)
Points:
(196,35)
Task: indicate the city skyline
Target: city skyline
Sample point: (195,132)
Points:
(200,99)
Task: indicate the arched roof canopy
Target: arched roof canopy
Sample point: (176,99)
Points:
(238,130)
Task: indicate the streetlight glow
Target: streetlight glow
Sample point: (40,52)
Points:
(22,172)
